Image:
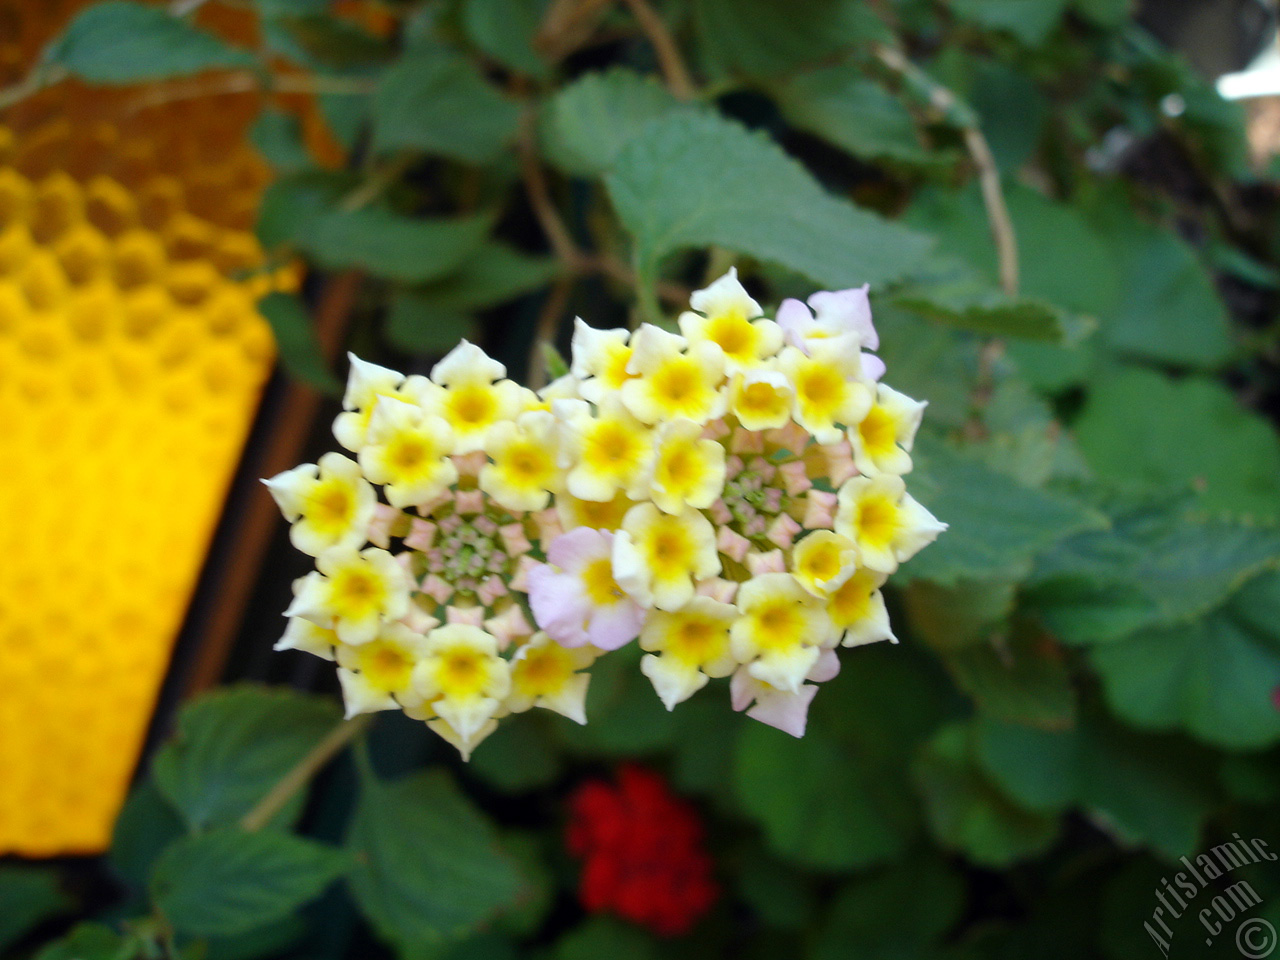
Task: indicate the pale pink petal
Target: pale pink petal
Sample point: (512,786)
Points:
(788,712)
(791,437)
(486,525)
(575,549)
(422,534)
(731,544)
(509,625)
(839,459)
(491,590)
(742,689)
(380,524)
(795,319)
(819,510)
(783,531)
(719,512)
(438,588)
(558,605)
(469,501)
(771,562)
(847,311)
(715,430)
(747,441)
(470,464)
(795,478)
(418,620)
(514,540)
(467,616)
(872,366)
(548,522)
(824,668)
(521,579)
(717,588)
(615,626)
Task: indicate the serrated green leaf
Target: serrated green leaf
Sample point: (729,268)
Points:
(90,941)
(231,746)
(146,825)
(296,341)
(504,29)
(585,125)
(1031,21)
(691,180)
(517,757)
(1215,677)
(997,526)
(493,274)
(756,38)
(121,42)
(1154,566)
(386,244)
(436,101)
(1143,789)
(293,205)
(429,867)
(1126,433)
(277,135)
(417,324)
(968,813)
(975,309)
(1021,682)
(845,108)
(950,618)
(228,881)
(28,896)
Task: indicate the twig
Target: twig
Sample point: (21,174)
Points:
(950,106)
(664,46)
(247,82)
(535,184)
(567,25)
(303,771)
(45,75)
(548,326)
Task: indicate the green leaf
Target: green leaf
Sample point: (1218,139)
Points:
(231,746)
(146,825)
(816,804)
(429,868)
(983,310)
(627,718)
(600,938)
(90,941)
(28,896)
(436,101)
(756,38)
(779,895)
(1031,21)
(1126,433)
(843,107)
(120,42)
(296,341)
(997,525)
(1251,777)
(1142,789)
(1155,566)
(950,618)
(417,324)
(228,881)
(1215,677)
(1023,681)
(277,135)
(897,912)
(386,244)
(585,124)
(696,180)
(321,41)
(293,205)
(504,29)
(517,757)
(968,813)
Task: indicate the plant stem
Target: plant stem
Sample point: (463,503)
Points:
(42,76)
(672,64)
(306,768)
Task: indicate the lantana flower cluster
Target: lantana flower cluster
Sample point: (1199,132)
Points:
(730,497)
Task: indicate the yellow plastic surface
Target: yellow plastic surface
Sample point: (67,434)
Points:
(131,363)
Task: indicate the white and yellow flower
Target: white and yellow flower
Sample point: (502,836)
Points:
(600,359)
(407,450)
(727,317)
(686,647)
(574,596)
(596,514)
(308,637)
(545,674)
(780,631)
(882,441)
(857,610)
(784,710)
(352,593)
(475,395)
(671,381)
(657,556)
(377,674)
(608,453)
(687,470)
(460,679)
(887,523)
(329,504)
(366,382)
(525,470)
(829,392)
(761,399)
(822,561)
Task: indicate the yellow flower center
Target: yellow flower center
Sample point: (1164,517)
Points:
(734,334)
(407,454)
(356,592)
(669,549)
(612,446)
(602,589)
(386,666)
(615,367)
(330,505)
(697,640)
(759,398)
(528,464)
(677,382)
(779,625)
(823,562)
(471,406)
(821,387)
(461,673)
(877,432)
(543,671)
(852,602)
(680,468)
(877,521)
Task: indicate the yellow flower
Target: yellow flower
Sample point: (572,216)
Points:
(525,471)
(687,470)
(460,678)
(882,441)
(885,521)
(828,391)
(374,674)
(727,320)
(600,359)
(475,396)
(545,674)
(780,630)
(408,450)
(366,382)
(353,593)
(761,399)
(597,514)
(657,556)
(308,637)
(608,453)
(329,504)
(823,560)
(857,610)
(671,381)
(686,647)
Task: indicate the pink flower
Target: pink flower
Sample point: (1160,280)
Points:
(575,598)
(788,712)
(838,313)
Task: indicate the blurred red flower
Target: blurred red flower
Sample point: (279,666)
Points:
(643,852)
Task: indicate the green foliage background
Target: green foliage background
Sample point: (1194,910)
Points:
(1085,688)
